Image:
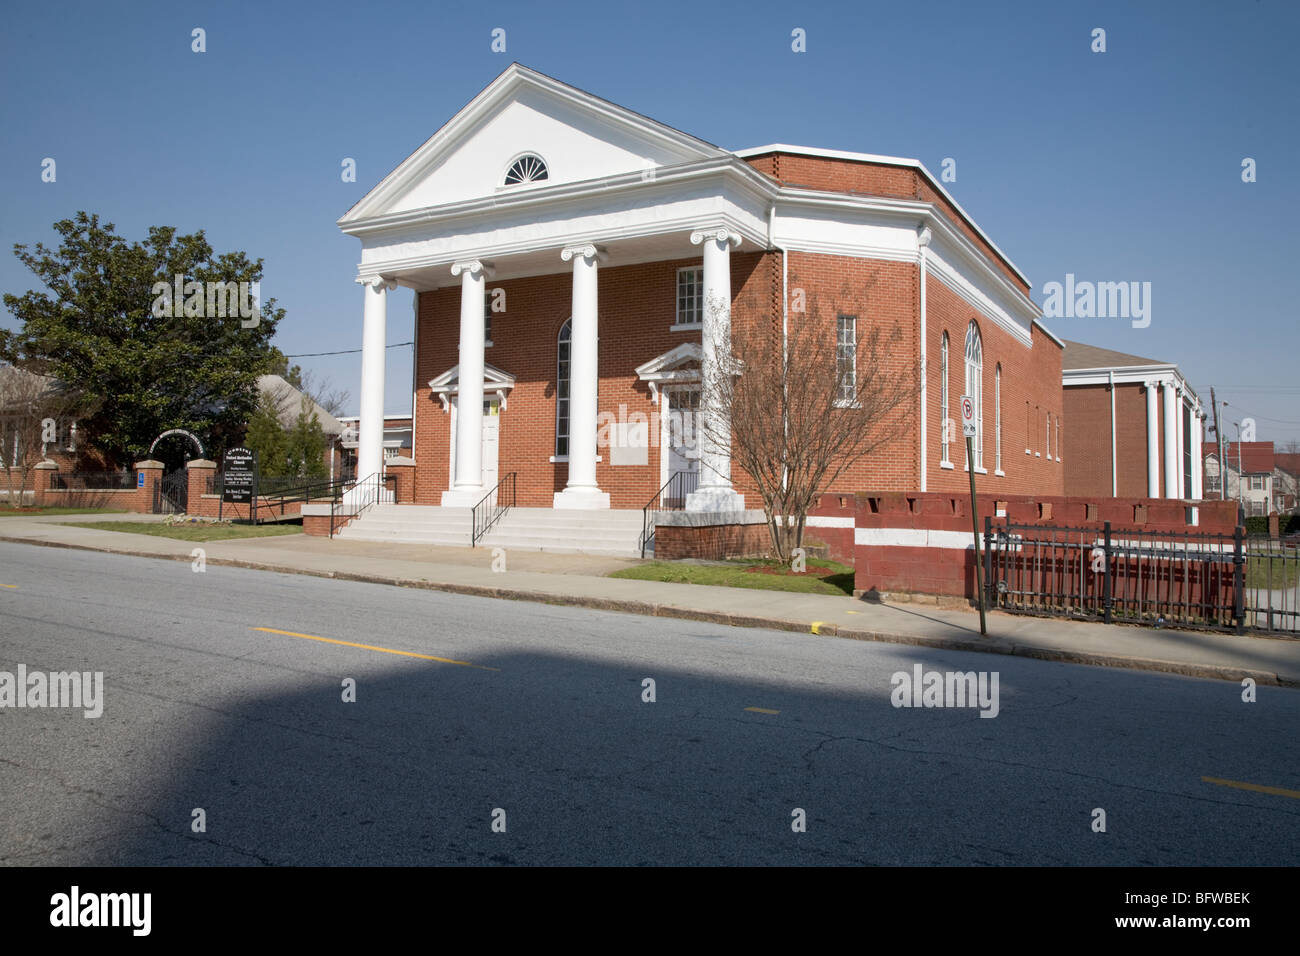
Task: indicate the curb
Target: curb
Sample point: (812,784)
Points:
(984,646)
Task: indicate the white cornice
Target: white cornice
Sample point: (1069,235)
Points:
(889,161)
(1133,375)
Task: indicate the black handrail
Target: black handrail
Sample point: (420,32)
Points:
(363,494)
(682,483)
(492,508)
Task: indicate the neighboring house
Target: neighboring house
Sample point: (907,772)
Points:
(291,402)
(1255,477)
(398,441)
(1136,427)
(572,262)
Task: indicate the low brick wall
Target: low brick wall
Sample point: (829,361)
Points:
(711,542)
(923,543)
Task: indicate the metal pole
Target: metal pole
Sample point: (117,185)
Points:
(975,530)
(1238,578)
(1105,594)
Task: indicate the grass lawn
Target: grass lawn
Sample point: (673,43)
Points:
(822,577)
(1285,571)
(32,512)
(203,531)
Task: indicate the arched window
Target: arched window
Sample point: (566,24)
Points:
(997,417)
(562,352)
(975,388)
(528,168)
(944,437)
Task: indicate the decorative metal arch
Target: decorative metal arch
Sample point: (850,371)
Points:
(177,431)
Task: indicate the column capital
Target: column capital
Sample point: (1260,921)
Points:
(378,283)
(717,233)
(923,236)
(472,266)
(587,250)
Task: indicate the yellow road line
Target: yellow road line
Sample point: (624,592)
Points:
(14,586)
(371,647)
(1258,788)
(761,710)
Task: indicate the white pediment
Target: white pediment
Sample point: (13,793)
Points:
(579,136)
(495,382)
(679,364)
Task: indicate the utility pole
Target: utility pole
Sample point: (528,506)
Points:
(1218,437)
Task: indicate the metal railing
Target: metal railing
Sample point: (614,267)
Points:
(1182,578)
(671,497)
(358,497)
(492,508)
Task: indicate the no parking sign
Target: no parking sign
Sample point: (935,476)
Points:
(967,416)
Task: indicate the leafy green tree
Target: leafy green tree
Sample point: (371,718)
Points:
(266,436)
(297,451)
(98,328)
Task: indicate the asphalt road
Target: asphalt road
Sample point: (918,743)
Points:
(202,711)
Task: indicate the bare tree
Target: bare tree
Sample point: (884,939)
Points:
(799,416)
(32,407)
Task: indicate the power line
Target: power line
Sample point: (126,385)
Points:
(343,351)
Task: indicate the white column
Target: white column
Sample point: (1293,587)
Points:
(1153,441)
(715,492)
(1171,441)
(1180,441)
(1198,460)
(370,446)
(581,491)
(467,486)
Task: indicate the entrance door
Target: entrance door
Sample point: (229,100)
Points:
(491,440)
(681,438)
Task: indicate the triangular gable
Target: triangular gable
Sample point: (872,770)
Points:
(674,360)
(579,136)
(493,378)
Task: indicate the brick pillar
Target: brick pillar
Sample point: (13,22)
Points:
(403,471)
(147,475)
(42,481)
(197,473)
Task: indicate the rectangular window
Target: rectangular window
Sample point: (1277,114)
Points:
(690,297)
(1256,482)
(846,359)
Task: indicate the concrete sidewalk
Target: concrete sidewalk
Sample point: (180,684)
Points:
(580,580)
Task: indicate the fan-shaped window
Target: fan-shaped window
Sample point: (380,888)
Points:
(526,169)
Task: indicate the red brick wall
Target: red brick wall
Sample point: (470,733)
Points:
(1088,459)
(1031,391)
(637,308)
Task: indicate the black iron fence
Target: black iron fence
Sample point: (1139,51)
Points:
(671,497)
(94,481)
(1185,579)
(492,508)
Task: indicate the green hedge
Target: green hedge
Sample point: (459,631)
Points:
(1257,524)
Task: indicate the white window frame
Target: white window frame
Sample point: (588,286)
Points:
(546,166)
(698,273)
(564,365)
(974,362)
(997,420)
(944,437)
(846,351)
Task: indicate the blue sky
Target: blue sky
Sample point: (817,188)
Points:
(1115,166)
